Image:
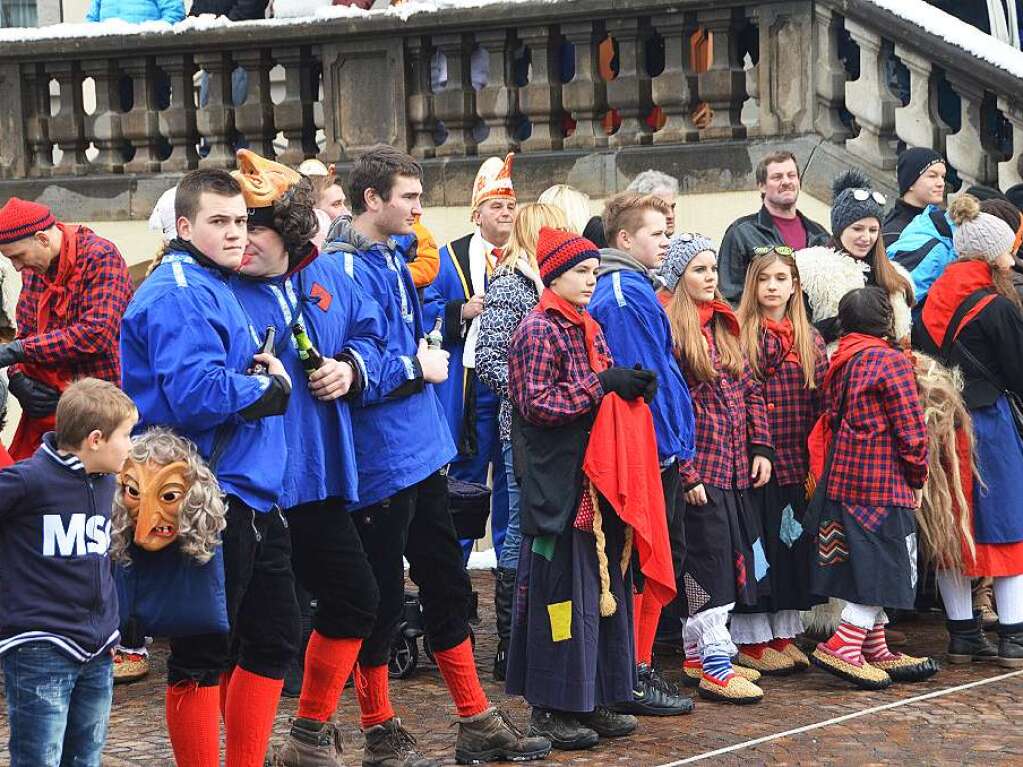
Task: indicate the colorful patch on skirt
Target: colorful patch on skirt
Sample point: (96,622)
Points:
(912,552)
(790,528)
(760,563)
(560,614)
(870,517)
(831,544)
(696,596)
(740,570)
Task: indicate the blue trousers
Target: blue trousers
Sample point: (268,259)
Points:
(58,708)
(476,468)
(509,558)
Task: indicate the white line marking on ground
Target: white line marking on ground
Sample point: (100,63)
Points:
(840,719)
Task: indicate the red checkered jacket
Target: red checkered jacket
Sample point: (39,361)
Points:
(731,423)
(792,409)
(86,341)
(881,445)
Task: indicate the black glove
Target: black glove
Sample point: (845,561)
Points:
(11,353)
(651,388)
(628,383)
(37,399)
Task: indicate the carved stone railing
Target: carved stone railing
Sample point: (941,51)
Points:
(776,73)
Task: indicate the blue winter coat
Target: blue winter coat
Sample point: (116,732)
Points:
(136,11)
(924,249)
(341,321)
(400,434)
(186,343)
(636,328)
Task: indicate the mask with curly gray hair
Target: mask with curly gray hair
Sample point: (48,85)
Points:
(166,495)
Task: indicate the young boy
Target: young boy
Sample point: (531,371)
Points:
(60,623)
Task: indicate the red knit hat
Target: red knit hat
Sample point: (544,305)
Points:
(20,219)
(558,251)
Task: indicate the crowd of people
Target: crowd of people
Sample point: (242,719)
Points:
(742,444)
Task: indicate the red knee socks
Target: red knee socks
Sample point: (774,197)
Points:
(646,631)
(193,725)
(847,643)
(249,717)
(371,688)
(458,667)
(875,646)
(225,685)
(328,663)
(779,643)
(755,650)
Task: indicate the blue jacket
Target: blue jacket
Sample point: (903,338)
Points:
(342,322)
(55,578)
(136,11)
(400,434)
(636,328)
(924,249)
(186,343)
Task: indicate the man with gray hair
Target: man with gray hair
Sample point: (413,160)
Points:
(659,185)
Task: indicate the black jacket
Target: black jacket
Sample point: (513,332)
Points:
(897,219)
(754,231)
(235,10)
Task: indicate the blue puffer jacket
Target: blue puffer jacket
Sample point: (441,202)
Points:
(924,249)
(136,11)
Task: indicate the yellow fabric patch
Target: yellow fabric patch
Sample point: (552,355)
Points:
(561,620)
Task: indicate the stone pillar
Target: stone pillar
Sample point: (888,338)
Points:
(455,104)
(67,127)
(254,118)
(215,120)
(967,149)
(785,90)
(540,98)
(294,115)
(103,126)
(673,89)
(420,99)
(830,76)
(1008,171)
(140,126)
(630,92)
(497,101)
(918,123)
(178,121)
(723,86)
(585,97)
(870,101)
(35,85)
(14,156)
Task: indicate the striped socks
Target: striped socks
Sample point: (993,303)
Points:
(875,647)
(718,668)
(847,643)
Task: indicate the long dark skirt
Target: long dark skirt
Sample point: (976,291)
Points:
(721,564)
(563,656)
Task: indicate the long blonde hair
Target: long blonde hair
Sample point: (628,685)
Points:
(749,318)
(574,204)
(690,344)
(529,219)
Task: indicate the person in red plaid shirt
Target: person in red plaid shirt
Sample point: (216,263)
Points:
(862,512)
(787,355)
(725,561)
(75,287)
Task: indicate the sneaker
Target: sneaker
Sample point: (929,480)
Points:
(654,696)
(608,724)
(563,730)
(310,744)
(492,736)
(391,745)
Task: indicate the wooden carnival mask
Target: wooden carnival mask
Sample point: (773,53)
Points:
(152,494)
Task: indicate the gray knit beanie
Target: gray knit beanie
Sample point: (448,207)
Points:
(682,248)
(978,234)
(853,199)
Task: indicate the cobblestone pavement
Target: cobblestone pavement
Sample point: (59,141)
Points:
(979,725)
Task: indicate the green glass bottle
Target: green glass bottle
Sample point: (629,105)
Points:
(307,353)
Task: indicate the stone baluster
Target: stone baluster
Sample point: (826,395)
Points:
(294,115)
(585,97)
(1009,171)
(540,98)
(254,118)
(14,158)
(36,89)
(215,120)
(67,127)
(497,101)
(673,89)
(140,126)
(723,85)
(420,99)
(917,123)
(630,91)
(178,120)
(455,104)
(103,126)
(831,76)
(968,149)
(870,101)
(784,72)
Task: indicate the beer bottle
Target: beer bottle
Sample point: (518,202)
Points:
(311,359)
(267,347)
(434,339)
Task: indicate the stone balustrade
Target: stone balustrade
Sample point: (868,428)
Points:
(588,90)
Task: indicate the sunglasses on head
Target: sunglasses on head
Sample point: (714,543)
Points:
(862,195)
(781,250)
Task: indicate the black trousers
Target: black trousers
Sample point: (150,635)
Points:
(261,606)
(415,523)
(330,563)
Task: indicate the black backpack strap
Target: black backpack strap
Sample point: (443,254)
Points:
(941,223)
(957,319)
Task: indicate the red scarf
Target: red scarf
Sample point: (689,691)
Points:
(786,335)
(552,302)
(708,309)
(956,283)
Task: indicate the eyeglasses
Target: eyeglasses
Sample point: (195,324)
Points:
(862,195)
(781,250)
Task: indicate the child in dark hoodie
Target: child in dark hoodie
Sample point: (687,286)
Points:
(59,626)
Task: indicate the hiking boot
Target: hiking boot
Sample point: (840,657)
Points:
(608,724)
(984,602)
(391,745)
(654,696)
(966,641)
(562,729)
(504,594)
(1010,645)
(492,736)
(310,744)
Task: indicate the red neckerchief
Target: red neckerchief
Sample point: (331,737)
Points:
(959,280)
(56,295)
(786,335)
(708,309)
(552,302)
(849,346)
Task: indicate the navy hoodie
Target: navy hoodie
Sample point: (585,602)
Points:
(55,580)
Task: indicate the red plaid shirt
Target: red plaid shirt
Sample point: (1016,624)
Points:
(731,421)
(792,409)
(881,445)
(549,376)
(86,341)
